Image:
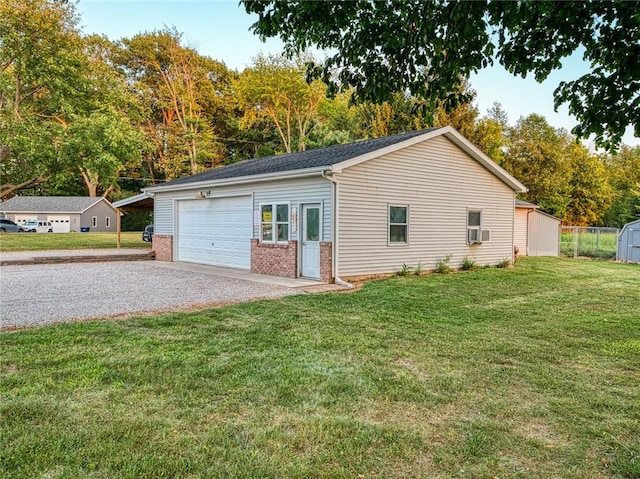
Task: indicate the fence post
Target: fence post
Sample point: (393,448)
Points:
(575,242)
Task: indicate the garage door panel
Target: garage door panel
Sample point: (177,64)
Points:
(216,231)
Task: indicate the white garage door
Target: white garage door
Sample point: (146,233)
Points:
(60,223)
(216,231)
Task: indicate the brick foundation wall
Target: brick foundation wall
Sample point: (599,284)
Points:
(326,262)
(275,259)
(162,245)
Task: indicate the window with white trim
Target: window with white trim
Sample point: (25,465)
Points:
(94,221)
(398,224)
(107,222)
(274,223)
(474,226)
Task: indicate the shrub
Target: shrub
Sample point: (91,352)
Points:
(419,269)
(444,265)
(505,263)
(404,270)
(468,264)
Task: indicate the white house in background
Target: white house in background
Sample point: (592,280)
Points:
(66,213)
(535,233)
(343,211)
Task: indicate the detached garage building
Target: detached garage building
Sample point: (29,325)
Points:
(535,233)
(66,213)
(344,211)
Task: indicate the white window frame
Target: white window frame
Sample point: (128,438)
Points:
(107,222)
(389,224)
(94,221)
(274,222)
(477,228)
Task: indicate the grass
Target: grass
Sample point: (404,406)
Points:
(527,372)
(601,246)
(49,241)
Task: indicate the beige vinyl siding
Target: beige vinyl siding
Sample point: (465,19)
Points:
(296,192)
(439,183)
(544,235)
(520,232)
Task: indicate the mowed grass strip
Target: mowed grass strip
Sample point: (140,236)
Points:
(49,241)
(530,372)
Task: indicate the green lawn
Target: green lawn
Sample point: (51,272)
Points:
(48,241)
(531,372)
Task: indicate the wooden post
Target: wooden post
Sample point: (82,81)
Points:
(118,213)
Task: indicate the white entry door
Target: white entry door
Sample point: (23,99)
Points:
(311,228)
(216,231)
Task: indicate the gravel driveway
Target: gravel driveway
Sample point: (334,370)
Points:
(36,295)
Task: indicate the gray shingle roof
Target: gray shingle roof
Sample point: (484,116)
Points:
(525,204)
(49,204)
(298,161)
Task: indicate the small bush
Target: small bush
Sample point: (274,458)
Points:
(404,270)
(444,265)
(505,263)
(419,269)
(468,264)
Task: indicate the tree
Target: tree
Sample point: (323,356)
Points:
(428,48)
(624,178)
(274,88)
(184,92)
(537,156)
(102,144)
(590,191)
(41,80)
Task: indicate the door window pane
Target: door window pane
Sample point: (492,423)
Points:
(313,224)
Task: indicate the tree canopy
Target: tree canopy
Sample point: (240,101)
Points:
(380,47)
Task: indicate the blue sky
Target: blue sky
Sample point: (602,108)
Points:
(220,29)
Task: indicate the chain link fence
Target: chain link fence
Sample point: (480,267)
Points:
(593,242)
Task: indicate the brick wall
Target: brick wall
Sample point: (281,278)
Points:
(275,259)
(162,245)
(326,263)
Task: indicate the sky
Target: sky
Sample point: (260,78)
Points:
(220,29)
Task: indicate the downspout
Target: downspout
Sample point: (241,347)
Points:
(334,229)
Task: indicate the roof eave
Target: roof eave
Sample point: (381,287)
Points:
(238,180)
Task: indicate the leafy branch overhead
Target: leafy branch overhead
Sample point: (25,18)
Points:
(386,46)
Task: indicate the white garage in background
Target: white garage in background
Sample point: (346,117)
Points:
(216,231)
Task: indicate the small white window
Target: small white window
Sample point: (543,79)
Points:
(474,226)
(398,224)
(94,221)
(107,222)
(274,223)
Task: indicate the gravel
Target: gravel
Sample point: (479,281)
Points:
(37,295)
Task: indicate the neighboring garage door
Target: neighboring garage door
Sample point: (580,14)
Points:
(216,231)
(60,223)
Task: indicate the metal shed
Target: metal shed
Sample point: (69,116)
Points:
(629,243)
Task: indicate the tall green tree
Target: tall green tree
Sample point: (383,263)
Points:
(538,157)
(624,178)
(427,47)
(275,89)
(185,94)
(42,80)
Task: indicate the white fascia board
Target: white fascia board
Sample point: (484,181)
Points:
(239,180)
(95,203)
(452,135)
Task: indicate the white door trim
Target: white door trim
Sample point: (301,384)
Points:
(302,235)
